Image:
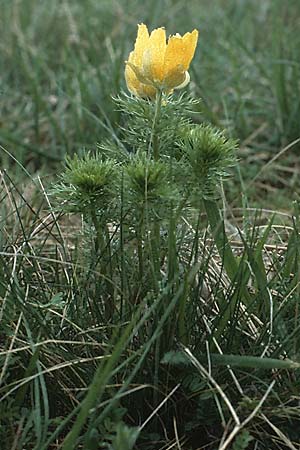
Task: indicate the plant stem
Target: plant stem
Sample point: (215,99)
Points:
(99,232)
(102,249)
(154,141)
(220,238)
(139,235)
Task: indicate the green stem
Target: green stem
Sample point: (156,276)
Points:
(172,250)
(99,232)
(157,358)
(139,234)
(122,252)
(218,230)
(102,248)
(156,246)
(154,141)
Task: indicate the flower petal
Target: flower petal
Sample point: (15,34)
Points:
(153,58)
(133,83)
(141,44)
(180,51)
(139,74)
(175,77)
(185,82)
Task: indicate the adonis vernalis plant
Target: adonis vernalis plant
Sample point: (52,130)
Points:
(160,295)
(135,194)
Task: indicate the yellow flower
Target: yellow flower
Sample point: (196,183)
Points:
(156,64)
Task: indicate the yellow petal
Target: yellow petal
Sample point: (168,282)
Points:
(185,82)
(175,77)
(139,74)
(141,44)
(131,79)
(134,85)
(154,55)
(180,51)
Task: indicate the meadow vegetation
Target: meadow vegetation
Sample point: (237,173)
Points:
(149,258)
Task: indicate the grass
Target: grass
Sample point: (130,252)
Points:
(123,334)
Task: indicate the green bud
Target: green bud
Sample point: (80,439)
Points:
(147,182)
(88,183)
(208,154)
